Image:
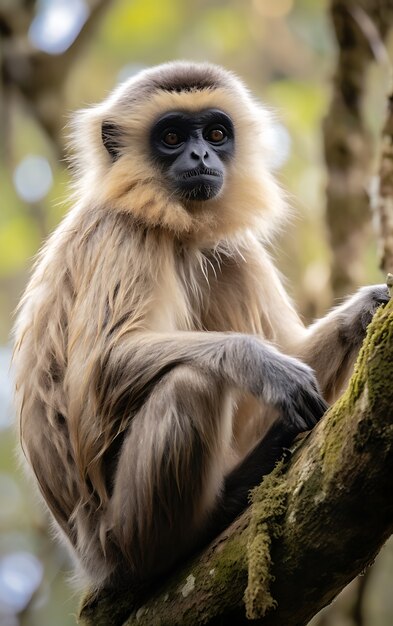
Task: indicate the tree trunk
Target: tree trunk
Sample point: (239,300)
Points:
(314,524)
(361,28)
(384,203)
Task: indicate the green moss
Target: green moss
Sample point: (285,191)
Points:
(380,361)
(269,503)
(226,563)
(374,367)
(373,375)
(333,443)
(336,419)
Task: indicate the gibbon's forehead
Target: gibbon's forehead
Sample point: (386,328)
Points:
(174,87)
(180,77)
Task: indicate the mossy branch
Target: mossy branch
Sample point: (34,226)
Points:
(315,523)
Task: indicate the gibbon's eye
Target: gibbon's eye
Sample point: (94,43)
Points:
(172,138)
(217,134)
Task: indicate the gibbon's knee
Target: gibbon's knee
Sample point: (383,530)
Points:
(170,469)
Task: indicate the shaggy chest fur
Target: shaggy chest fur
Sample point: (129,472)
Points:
(205,290)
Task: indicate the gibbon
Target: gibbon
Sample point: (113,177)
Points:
(160,366)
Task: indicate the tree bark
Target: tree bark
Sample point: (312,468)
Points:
(361,28)
(384,203)
(314,524)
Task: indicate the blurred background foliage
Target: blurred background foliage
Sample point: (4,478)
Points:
(59,55)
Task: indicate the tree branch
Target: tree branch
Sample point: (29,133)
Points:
(313,526)
(39,77)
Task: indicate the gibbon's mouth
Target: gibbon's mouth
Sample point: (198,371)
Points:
(200,183)
(200,172)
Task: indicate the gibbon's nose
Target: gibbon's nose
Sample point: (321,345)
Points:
(199,153)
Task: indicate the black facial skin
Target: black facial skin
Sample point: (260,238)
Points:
(193,149)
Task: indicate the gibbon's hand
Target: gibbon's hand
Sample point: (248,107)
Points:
(299,400)
(371,298)
(284,382)
(359,311)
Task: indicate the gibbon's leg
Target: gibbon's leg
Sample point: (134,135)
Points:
(331,344)
(261,460)
(172,460)
(171,470)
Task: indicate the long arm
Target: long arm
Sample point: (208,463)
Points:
(243,361)
(329,346)
(332,343)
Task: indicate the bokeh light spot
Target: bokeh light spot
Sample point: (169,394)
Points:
(6,405)
(278,142)
(33,178)
(57,24)
(20,576)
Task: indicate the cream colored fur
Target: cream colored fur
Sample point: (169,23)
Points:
(131,271)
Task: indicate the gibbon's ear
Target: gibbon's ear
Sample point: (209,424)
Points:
(110,134)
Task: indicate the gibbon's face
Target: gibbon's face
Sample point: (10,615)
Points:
(193,148)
